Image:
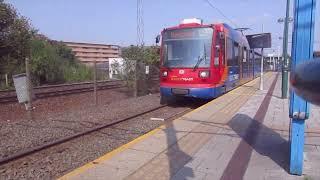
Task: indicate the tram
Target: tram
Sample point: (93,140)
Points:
(204,61)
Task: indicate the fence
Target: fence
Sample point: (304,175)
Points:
(147,78)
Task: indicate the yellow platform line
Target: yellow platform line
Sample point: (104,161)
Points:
(124,147)
(110,154)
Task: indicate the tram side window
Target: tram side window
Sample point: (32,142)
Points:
(250,56)
(236,54)
(245,55)
(229,55)
(217,49)
(223,48)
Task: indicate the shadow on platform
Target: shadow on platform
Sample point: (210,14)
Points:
(258,137)
(177,158)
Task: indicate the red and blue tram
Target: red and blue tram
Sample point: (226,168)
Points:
(204,61)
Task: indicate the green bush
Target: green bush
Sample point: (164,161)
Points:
(52,63)
(142,55)
(77,73)
(46,64)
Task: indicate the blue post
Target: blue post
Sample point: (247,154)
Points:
(302,50)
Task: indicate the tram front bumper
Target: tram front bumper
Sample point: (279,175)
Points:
(201,93)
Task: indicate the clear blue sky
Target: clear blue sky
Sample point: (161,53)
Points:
(114,21)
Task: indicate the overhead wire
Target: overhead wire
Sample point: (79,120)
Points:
(140,23)
(221,13)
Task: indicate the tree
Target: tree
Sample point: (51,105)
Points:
(51,61)
(152,55)
(46,64)
(135,60)
(15,36)
(63,51)
(147,55)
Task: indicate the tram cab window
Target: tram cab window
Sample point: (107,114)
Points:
(186,47)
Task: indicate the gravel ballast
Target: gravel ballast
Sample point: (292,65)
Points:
(24,133)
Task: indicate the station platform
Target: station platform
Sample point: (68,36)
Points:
(240,135)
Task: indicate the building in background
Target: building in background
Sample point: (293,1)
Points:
(87,53)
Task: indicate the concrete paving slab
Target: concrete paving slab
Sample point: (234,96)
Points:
(204,143)
(117,167)
(187,173)
(159,142)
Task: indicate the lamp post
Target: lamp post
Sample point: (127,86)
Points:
(285,64)
(278,59)
(273,60)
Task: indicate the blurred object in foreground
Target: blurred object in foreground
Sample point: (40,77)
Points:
(305,81)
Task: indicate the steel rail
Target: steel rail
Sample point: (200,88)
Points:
(13,98)
(63,85)
(33,150)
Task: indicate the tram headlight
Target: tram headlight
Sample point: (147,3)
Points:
(204,74)
(164,74)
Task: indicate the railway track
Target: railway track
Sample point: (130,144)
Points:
(31,151)
(8,96)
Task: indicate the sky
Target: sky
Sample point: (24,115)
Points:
(114,21)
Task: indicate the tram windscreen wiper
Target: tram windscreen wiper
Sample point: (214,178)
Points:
(198,63)
(200,59)
(166,64)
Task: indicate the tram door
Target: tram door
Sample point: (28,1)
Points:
(245,63)
(222,53)
(240,55)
